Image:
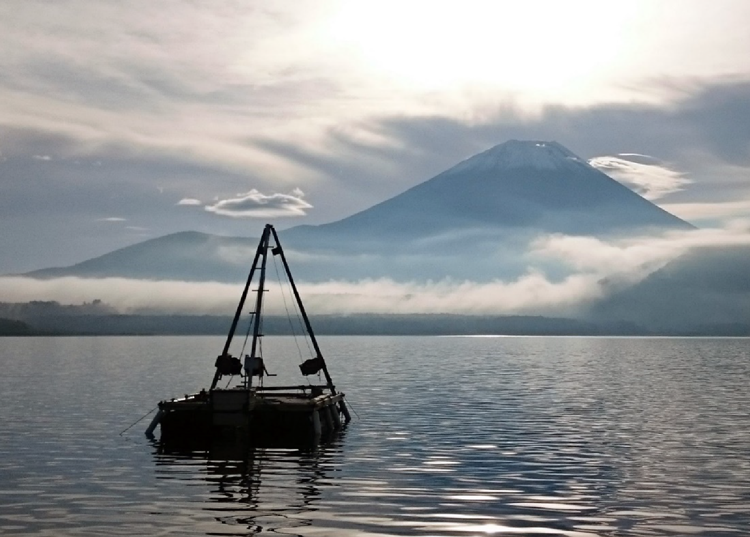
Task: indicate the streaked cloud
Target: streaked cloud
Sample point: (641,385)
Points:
(532,293)
(597,267)
(646,175)
(113,219)
(174,93)
(189,202)
(255,204)
(590,252)
(696,211)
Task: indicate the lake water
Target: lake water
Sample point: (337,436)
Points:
(452,436)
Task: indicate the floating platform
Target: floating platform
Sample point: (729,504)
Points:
(270,416)
(251,412)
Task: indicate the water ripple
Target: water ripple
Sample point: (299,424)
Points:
(457,436)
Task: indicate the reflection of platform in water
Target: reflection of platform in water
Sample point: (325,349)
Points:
(254,490)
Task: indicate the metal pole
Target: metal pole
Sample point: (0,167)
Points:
(237,314)
(258,304)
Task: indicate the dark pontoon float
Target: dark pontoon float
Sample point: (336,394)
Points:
(264,415)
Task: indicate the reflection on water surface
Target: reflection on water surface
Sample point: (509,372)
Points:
(455,436)
(255,489)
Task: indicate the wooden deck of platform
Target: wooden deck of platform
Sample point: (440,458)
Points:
(285,413)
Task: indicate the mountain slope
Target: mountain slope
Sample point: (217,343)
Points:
(533,185)
(707,287)
(490,207)
(188,255)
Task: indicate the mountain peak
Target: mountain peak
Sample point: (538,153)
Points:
(536,154)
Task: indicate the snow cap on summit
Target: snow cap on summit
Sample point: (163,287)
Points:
(523,154)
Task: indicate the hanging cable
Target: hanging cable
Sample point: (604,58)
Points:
(260,328)
(289,318)
(348,403)
(244,344)
(138,420)
(247,335)
(298,316)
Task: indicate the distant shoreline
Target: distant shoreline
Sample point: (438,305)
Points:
(61,325)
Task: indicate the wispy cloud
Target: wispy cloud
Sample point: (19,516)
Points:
(310,94)
(532,293)
(635,257)
(113,219)
(726,210)
(646,175)
(255,204)
(597,267)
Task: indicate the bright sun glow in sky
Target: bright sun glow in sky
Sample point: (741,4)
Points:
(545,48)
(116,112)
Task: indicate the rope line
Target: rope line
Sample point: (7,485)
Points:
(286,308)
(297,312)
(302,327)
(347,403)
(289,317)
(247,335)
(138,420)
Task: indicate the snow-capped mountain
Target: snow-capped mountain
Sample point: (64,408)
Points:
(489,206)
(518,186)
(521,154)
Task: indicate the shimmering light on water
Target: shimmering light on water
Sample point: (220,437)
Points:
(455,436)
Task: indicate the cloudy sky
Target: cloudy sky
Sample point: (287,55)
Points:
(122,121)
